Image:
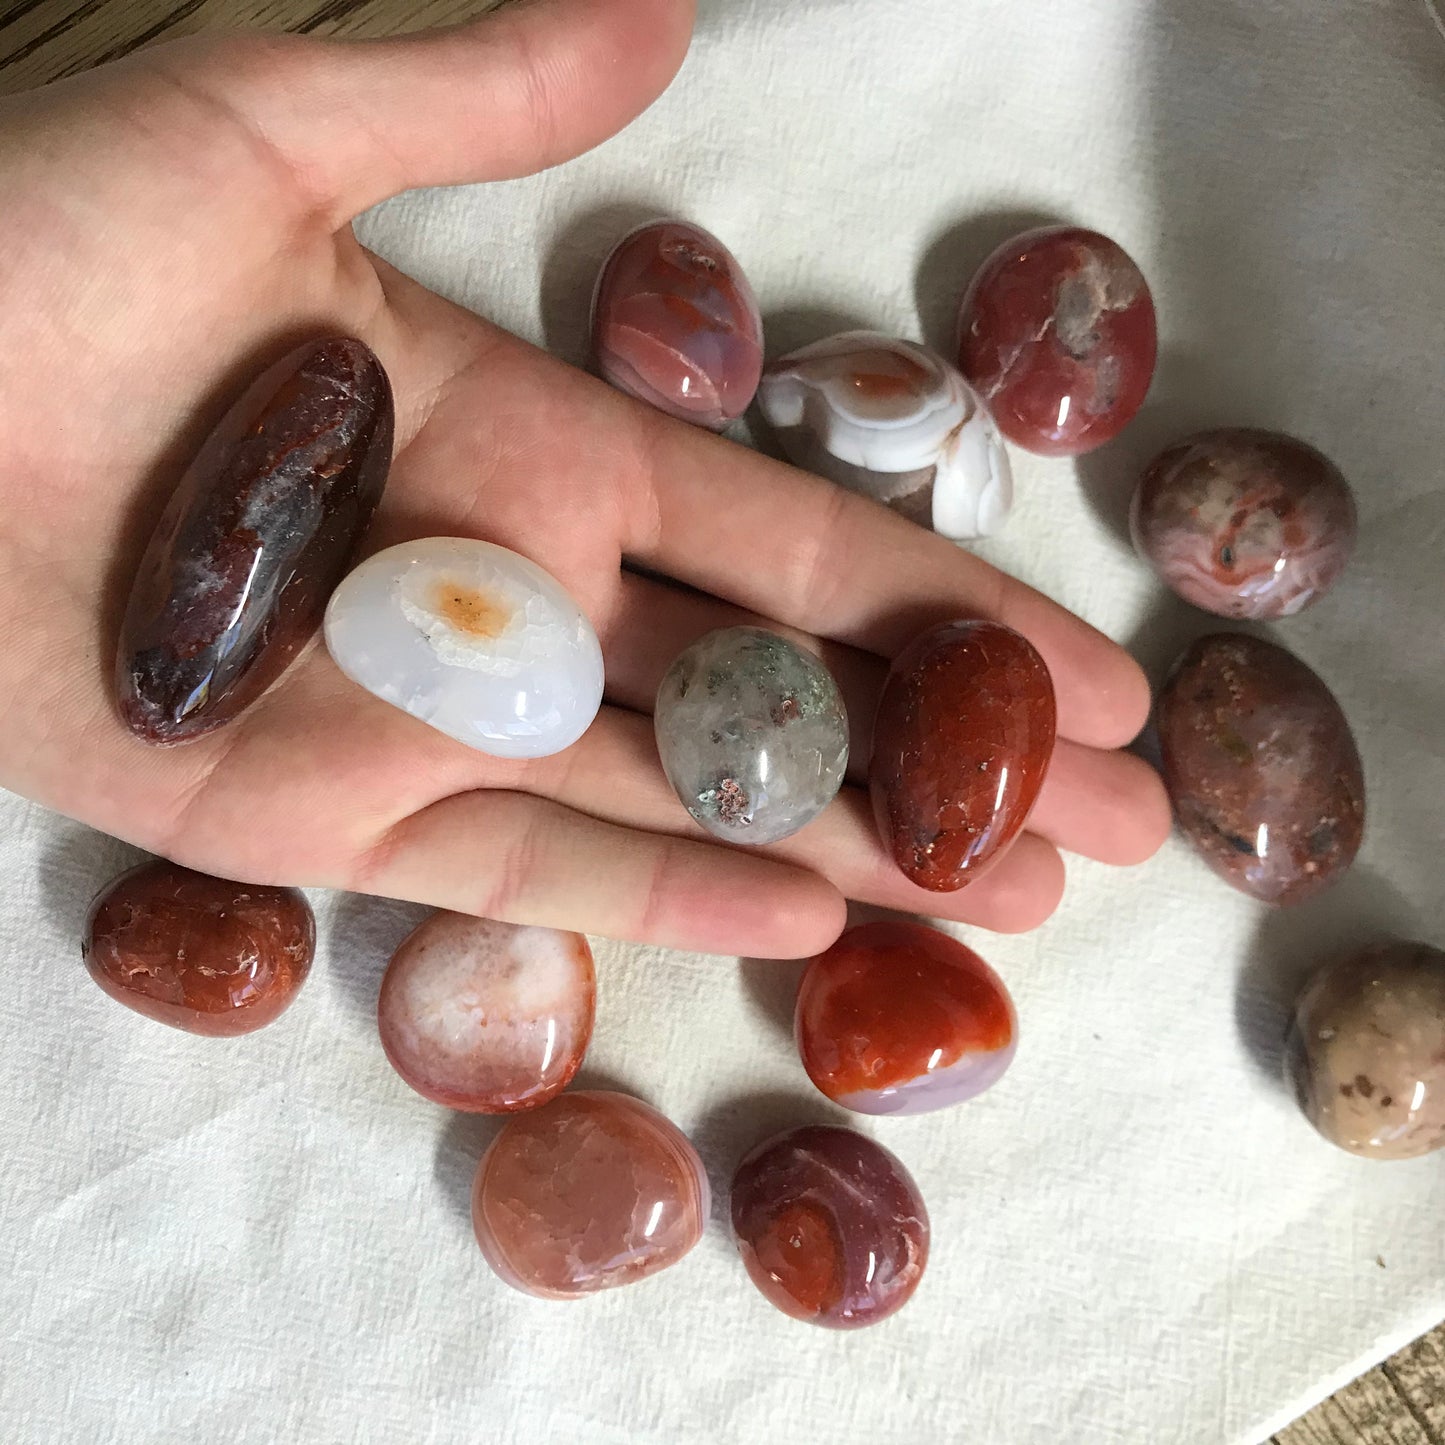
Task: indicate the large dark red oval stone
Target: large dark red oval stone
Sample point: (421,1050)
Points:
(196,952)
(254,540)
(961,742)
(1261,767)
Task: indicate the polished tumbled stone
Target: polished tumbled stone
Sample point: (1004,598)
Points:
(752,734)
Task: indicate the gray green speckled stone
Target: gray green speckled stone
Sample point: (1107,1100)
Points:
(752,734)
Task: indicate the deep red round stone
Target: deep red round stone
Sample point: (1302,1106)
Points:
(1057,332)
(202,954)
(961,743)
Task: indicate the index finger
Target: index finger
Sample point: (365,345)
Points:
(814,556)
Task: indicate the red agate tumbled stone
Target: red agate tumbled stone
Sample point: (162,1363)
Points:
(254,540)
(484,1016)
(588,1192)
(199,953)
(674,324)
(830,1225)
(1244,523)
(1261,767)
(961,742)
(897,1018)
(1057,332)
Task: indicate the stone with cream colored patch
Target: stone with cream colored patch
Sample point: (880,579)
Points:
(473,639)
(484,1016)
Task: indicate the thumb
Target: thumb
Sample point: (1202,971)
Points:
(527,87)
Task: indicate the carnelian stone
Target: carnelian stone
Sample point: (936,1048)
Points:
(897,1018)
(961,743)
(199,953)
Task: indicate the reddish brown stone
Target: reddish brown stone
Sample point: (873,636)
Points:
(1057,332)
(199,953)
(961,742)
(831,1226)
(254,540)
(1261,766)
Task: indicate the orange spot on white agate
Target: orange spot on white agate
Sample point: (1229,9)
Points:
(471,609)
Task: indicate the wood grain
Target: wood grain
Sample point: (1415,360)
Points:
(1402,1402)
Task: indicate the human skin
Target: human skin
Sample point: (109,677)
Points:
(174,222)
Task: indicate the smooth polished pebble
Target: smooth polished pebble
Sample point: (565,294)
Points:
(487,1017)
(474,640)
(674,324)
(201,954)
(961,742)
(257,533)
(1244,523)
(830,1225)
(896,422)
(1057,332)
(1261,766)
(591,1191)
(898,1018)
(1366,1051)
(752,734)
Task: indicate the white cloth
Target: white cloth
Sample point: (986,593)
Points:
(1136,1237)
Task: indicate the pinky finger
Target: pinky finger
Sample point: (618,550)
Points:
(524,859)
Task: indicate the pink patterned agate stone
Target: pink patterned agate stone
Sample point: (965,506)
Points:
(898,1018)
(593,1191)
(487,1017)
(1057,334)
(1244,523)
(674,324)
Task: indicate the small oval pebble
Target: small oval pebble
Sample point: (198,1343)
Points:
(961,743)
(254,538)
(674,324)
(1366,1051)
(830,1225)
(591,1191)
(1261,767)
(897,1018)
(1057,333)
(1244,523)
(475,640)
(896,422)
(199,953)
(485,1016)
(752,734)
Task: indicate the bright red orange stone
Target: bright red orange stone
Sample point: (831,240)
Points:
(897,1018)
(199,953)
(961,743)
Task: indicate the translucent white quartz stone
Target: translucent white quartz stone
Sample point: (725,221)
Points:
(894,421)
(473,639)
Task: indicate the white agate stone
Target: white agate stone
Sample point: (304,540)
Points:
(473,639)
(894,421)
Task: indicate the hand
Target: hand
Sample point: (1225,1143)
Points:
(172,223)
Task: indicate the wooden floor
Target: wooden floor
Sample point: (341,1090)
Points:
(1400,1403)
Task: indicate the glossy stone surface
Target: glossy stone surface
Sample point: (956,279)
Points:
(252,541)
(591,1191)
(752,734)
(897,1018)
(1261,767)
(674,324)
(199,953)
(484,1016)
(1244,523)
(1057,333)
(961,743)
(1366,1051)
(830,1225)
(473,639)
(896,422)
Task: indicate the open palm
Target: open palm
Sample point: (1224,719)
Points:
(173,223)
